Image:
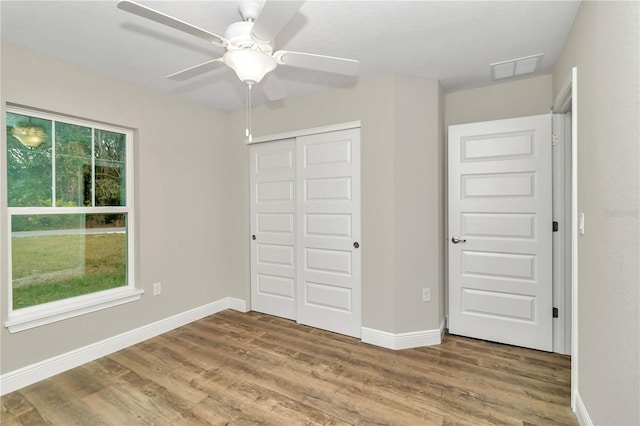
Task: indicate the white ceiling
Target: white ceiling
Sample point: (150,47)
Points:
(451,41)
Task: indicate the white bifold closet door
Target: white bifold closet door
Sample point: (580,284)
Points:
(320,200)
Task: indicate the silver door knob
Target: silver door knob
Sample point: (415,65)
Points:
(456,240)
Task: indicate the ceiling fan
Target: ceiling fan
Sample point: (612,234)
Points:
(249,44)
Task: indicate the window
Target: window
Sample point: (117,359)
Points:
(69,198)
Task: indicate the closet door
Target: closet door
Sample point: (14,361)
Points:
(273,266)
(328,231)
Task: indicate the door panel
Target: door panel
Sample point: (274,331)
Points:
(275,191)
(273,263)
(500,276)
(329,297)
(497,185)
(497,146)
(275,223)
(275,254)
(332,189)
(328,261)
(500,306)
(497,265)
(328,225)
(498,225)
(272,285)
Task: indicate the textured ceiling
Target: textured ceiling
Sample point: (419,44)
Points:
(451,41)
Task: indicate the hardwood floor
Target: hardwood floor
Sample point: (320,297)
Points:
(234,368)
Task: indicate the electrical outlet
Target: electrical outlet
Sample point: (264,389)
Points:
(426,295)
(157,289)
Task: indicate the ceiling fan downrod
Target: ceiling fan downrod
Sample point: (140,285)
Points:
(248,133)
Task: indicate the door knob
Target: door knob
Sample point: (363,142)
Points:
(253,237)
(356,244)
(456,240)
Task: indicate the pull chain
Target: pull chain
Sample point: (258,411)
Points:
(248,131)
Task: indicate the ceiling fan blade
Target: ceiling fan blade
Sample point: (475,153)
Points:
(317,62)
(197,70)
(154,15)
(272,88)
(273,17)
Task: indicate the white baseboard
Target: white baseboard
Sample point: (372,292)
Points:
(30,374)
(398,341)
(581,411)
(237,304)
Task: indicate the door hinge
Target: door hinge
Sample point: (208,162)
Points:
(555,140)
(555,312)
(555,226)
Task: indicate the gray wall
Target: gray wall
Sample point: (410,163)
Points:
(184,184)
(518,98)
(604,45)
(419,204)
(402,249)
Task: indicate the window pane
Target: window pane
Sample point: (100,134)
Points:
(28,161)
(110,169)
(55,257)
(73,165)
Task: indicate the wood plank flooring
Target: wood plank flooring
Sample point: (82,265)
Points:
(235,368)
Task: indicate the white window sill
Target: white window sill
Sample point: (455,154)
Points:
(35,316)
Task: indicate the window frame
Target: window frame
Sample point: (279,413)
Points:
(46,313)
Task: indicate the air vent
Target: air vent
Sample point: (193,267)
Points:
(516,67)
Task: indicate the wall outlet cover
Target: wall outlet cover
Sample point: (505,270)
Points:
(426,295)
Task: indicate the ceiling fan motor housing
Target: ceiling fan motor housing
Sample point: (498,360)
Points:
(239,36)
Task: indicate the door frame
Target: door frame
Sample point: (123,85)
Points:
(561,175)
(567,102)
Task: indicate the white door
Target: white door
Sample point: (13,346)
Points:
(273,268)
(500,192)
(328,212)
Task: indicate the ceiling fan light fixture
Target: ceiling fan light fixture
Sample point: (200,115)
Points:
(249,65)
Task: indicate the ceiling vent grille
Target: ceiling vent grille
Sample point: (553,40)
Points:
(516,67)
